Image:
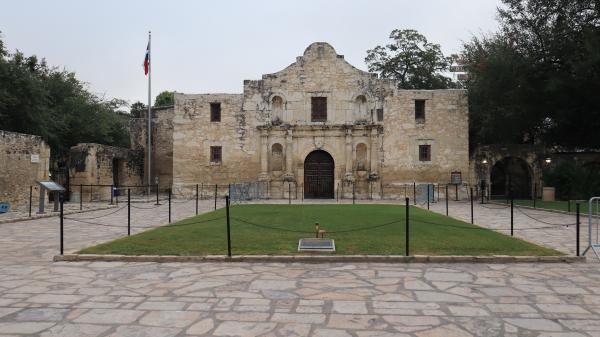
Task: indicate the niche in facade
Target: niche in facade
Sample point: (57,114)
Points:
(361,157)
(360,107)
(277,157)
(277,109)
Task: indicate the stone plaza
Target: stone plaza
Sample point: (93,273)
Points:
(43,298)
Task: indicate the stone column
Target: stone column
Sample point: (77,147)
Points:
(374,151)
(289,153)
(264,153)
(348,174)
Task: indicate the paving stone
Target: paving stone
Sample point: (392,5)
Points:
(24,327)
(145,331)
(331,333)
(243,329)
(110,316)
(170,319)
(41,314)
(361,322)
(350,307)
(150,305)
(202,327)
(535,324)
(449,330)
(50,298)
(298,318)
(75,330)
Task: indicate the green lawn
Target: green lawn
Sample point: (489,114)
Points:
(430,233)
(555,205)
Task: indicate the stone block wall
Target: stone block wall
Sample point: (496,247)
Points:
(23,160)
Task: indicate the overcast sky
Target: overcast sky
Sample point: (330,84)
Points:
(212,46)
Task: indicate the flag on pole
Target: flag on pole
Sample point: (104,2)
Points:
(147,59)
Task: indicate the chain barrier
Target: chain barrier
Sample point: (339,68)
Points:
(312,232)
(99,216)
(542,221)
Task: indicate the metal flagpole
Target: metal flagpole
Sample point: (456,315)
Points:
(149,112)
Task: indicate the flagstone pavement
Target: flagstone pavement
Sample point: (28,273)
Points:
(42,298)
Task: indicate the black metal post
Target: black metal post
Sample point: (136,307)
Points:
(569,205)
(371,188)
(456,192)
(116,195)
(169,205)
(414,193)
(128,212)
(80,197)
(196,199)
(289,193)
(446,199)
(577,222)
(216,187)
(427,196)
(353,193)
(228,226)
(511,216)
(483,193)
(91,186)
(438,197)
(61,224)
(338,193)
(471,204)
(534,193)
(157,201)
(407,228)
(111,194)
(30,198)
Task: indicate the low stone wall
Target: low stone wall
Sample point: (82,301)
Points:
(23,160)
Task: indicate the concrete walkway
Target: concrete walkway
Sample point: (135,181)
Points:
(42,298)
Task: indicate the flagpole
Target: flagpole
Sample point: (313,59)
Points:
(149,113)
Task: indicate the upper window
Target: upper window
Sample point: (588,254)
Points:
(379,115)
(318,109)
(216,154)
(215,112)
(420,109)
(424,152)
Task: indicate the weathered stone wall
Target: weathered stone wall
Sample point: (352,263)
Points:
(92,164)
(162,144)
(23,160)
(266,133)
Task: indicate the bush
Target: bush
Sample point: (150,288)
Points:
(573,181)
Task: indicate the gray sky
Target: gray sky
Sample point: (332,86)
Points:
(212,46)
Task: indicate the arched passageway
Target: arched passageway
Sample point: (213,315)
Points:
(318,175)
(511,175)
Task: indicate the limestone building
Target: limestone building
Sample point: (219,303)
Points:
(321,125)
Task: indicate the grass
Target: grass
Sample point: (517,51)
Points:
(430,233)
(555,205)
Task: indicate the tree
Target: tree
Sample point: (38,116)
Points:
(137,109)
(411,60)
(40,100)
(537,80)
(165,98)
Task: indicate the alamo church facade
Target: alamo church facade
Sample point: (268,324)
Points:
(320,125)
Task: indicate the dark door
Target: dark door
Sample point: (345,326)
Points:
(318,175)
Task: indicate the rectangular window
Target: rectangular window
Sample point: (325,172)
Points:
(215,154)
(318,109)
(424,152)
(420,109)
(215,112)
(379,115)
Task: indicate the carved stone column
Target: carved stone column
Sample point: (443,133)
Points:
(374,152)
(289,153)
(264,153)
(349,176)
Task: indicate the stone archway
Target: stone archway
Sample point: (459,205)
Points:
(319,175)
(511,175)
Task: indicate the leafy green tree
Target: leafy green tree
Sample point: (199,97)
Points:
(40,100)
(411,60)
(137,109)
(165,98)
(537,79)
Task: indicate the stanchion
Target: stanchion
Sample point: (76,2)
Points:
(414,193)
(111,194)
(91,194)
(289,193)
(446,199)
(128,212)
(407,227)
(577,222)
(427,196)
(228,226)
(353,193)
(216,187)
(116,195)
(471,205)
(338,193)
(534,193)
(31,198)
(169,205)
(511,216)
(482,193)
(80,197)
(569,205)
(438,197)
(157,201)
(456,192)
(196,199)
(62,199)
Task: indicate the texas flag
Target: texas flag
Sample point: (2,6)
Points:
(147,59)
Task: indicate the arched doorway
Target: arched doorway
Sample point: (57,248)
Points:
(511,174)
(318,175)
